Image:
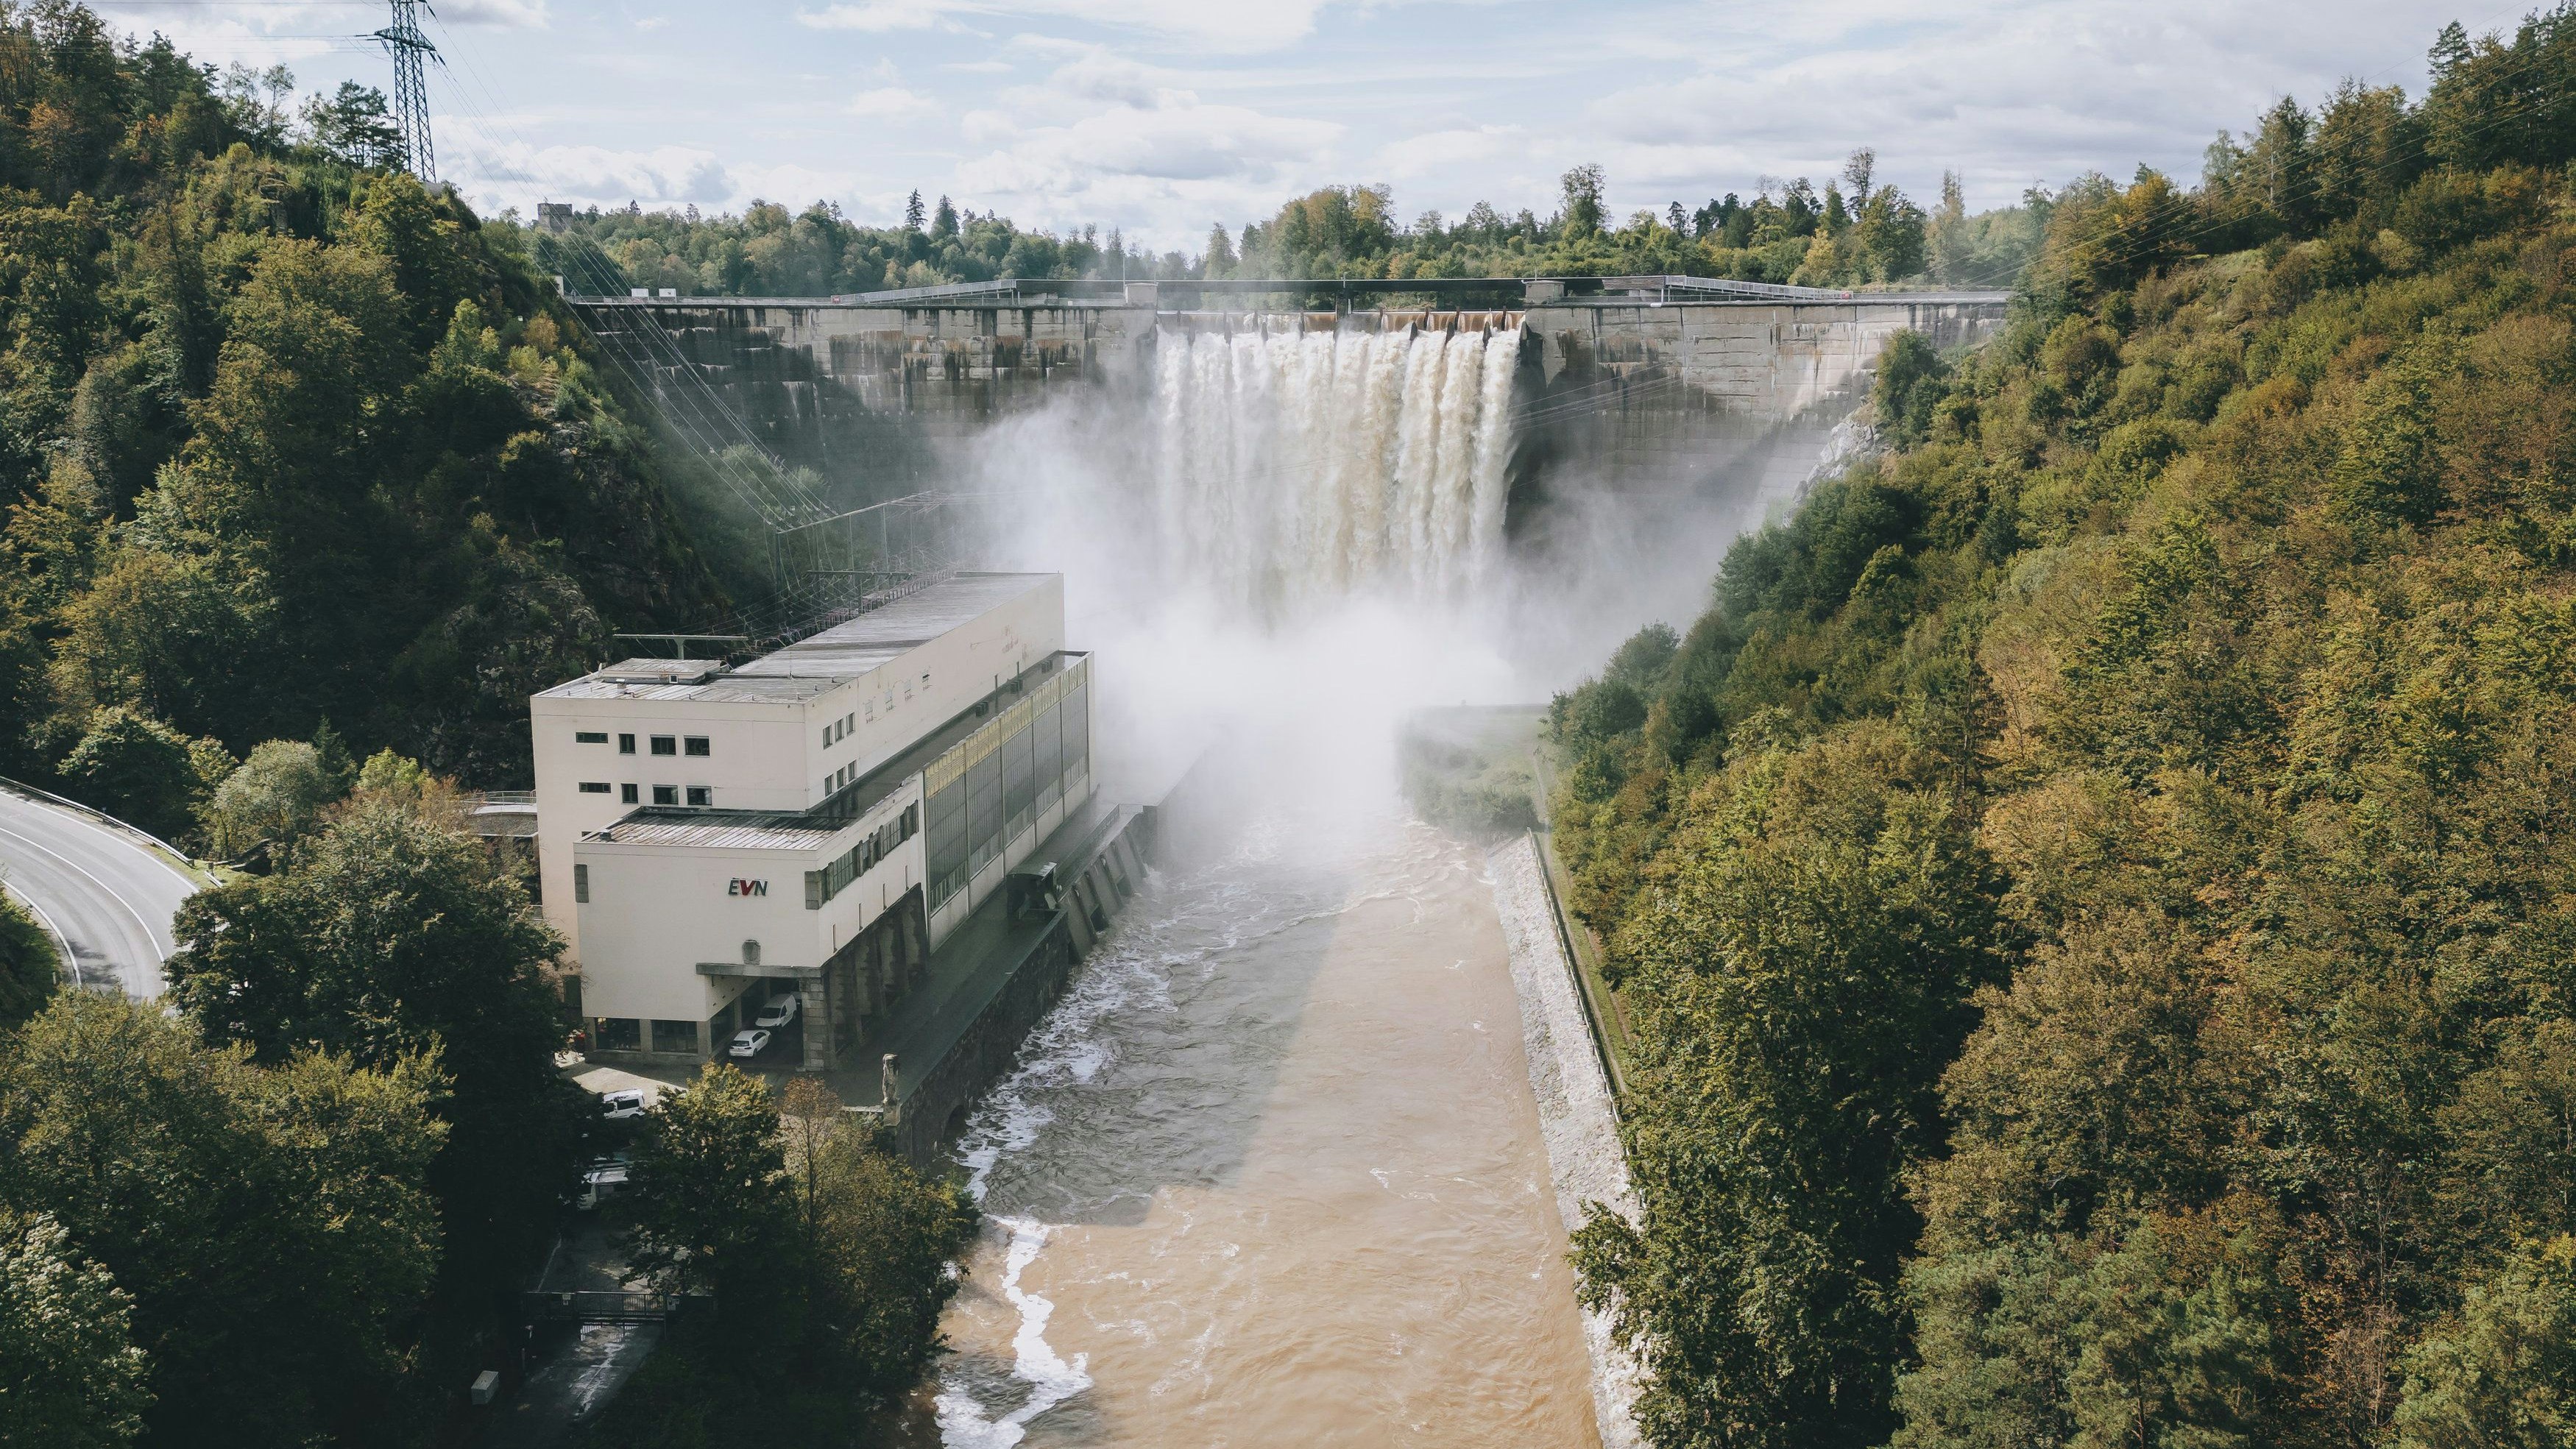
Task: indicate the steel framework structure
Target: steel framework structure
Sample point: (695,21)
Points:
(411,52)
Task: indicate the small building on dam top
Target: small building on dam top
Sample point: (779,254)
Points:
(893,824)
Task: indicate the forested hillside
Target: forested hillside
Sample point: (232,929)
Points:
(2093,889)
(284,437)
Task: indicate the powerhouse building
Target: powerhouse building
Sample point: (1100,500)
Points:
(813,822)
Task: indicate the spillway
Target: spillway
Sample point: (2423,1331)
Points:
(1294,466)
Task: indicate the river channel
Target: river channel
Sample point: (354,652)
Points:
(1271,1172)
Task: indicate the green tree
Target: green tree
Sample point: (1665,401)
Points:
(354,126)
(430,269)
(270,1224)
(888,1238)
(708,1202)
(830,1260)
(2389,470)
(877,1240)
(138,769)
(30,967)
(1579,201)
(1803,966)
(2053,1341)
(70,1375)
(392,935)
(2503,1376)
(1909,383)
(273,801)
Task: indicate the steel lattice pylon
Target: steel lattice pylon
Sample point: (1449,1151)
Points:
(410,51)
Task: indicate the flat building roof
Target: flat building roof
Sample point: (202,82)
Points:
(817,664)
(889,631)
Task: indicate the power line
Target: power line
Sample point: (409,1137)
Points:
(650,354)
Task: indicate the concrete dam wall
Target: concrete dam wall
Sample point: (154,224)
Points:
(1625,395)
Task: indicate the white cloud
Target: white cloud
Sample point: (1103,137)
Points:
(1224,24)
(653,22)
(596,175)
(1180,143)
(879,16)
(1442,152)
(509,14)
(1099,75)
(986,127)
(891,103)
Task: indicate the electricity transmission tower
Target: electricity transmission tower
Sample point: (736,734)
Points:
(410,50)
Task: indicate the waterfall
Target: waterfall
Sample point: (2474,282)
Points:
(1294,467)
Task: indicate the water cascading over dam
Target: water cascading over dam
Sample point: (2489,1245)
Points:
(1296,465)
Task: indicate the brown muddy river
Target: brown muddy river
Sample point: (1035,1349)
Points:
(1270,1174)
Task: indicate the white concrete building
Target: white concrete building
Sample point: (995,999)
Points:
(813,821)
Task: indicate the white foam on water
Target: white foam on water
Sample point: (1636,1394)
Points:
(1126,972)
(962,1420)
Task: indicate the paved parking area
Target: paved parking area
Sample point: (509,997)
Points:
(598,1077)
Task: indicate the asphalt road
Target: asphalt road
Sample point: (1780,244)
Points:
(105,894)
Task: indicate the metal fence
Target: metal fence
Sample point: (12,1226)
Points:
(608,1307)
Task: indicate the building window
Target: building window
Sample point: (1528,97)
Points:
(594,787)
(666,795)
(701,795)
(625,744)
(581,885)
(666,745)
(675,1036)
(620,1033)
(590,737)
(626,794)
(696,745)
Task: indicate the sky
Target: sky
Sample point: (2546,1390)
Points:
(1161,117)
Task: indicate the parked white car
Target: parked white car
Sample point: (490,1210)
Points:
(781,1010)
(616,1106)
(748,1043)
